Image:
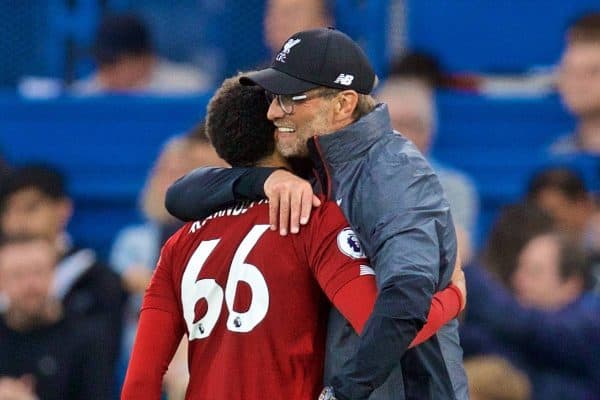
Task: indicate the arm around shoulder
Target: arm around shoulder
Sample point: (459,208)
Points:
(205,190)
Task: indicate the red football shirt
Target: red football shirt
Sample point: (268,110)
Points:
(251,301)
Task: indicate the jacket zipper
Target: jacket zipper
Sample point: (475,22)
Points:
(321,169)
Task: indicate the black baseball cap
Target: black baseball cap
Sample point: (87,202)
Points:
(317,57)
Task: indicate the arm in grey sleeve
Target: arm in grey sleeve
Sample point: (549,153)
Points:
(205,190)
(412,245)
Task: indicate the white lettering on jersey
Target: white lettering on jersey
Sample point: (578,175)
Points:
(195,226)
(244,272)
(238,209)
(194,290)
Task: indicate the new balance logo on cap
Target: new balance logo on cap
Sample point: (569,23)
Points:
(286,49)
(344,79)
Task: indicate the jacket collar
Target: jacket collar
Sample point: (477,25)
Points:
(355,139)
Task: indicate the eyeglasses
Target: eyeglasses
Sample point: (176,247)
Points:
(286,101)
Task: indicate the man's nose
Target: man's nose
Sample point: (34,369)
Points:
(275,111)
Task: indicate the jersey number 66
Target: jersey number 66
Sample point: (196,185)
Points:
(193,290)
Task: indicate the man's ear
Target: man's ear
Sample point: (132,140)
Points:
(346,102)
(65,210)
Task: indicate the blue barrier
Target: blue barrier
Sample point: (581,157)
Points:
(106,145)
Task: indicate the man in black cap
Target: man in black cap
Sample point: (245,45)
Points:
(318,86)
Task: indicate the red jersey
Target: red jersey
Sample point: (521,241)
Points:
(251,301)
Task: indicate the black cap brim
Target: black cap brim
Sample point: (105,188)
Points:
(277,82)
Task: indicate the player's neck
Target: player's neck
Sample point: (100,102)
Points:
(275,160)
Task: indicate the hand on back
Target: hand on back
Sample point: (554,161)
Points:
(291,200)
(17,388)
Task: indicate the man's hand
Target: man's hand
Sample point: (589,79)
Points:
(290,201)
(17,389)
(458,279)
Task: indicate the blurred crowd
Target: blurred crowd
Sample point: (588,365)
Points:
(531,329)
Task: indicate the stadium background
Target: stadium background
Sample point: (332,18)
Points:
(495,124)
(106,145)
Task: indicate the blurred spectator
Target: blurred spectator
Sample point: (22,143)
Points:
(283,18)
(43,353)
(127,63)
(551,330)
(494,378)
(552,272)
(34,202)
(563,194)
(579,86)
(136,248)
(420,66)
(514,227)
(409,94)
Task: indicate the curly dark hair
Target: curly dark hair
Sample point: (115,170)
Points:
(237,124)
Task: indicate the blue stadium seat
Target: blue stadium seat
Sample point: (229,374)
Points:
(502,142)
(104,145)
(487,123)
(490,35)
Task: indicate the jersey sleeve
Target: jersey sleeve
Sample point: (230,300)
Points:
(152,352)
(445,306)
(206,190)
(333,250)
(161,293)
